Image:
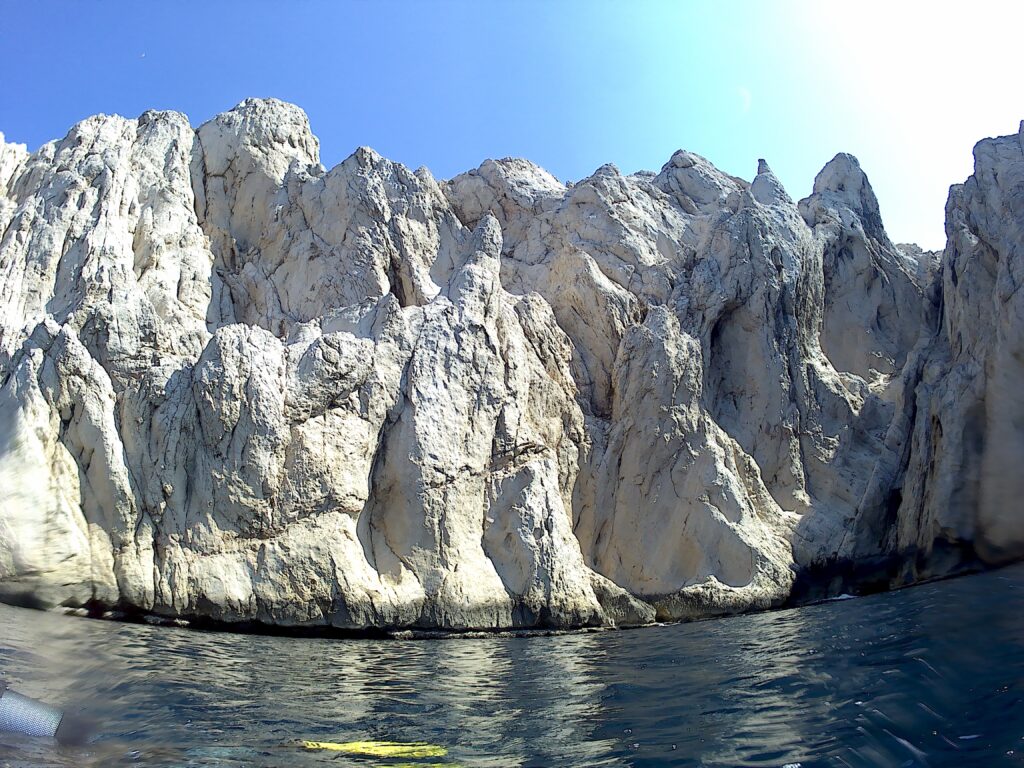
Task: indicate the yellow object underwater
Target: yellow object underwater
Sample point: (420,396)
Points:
(413,750)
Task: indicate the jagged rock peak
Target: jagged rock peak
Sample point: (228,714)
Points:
(843,182)
(11,158)
(503,187)
(697,185)
(767,189)
(269,126)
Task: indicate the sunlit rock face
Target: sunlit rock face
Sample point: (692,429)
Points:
(241,387)
(964,484)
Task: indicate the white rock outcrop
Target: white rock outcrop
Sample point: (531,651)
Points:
(237,386)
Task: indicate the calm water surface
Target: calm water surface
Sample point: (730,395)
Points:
(931,676)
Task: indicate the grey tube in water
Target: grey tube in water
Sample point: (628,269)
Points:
(20,714)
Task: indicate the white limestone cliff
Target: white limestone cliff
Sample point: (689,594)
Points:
(964,484)
(237,386)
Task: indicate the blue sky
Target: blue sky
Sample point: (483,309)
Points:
(569,85)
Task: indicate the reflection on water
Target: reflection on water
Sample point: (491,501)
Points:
(930,676)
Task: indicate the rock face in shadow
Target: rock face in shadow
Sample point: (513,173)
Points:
(240,387)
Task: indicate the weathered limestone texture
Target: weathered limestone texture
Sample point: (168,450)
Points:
(237,386)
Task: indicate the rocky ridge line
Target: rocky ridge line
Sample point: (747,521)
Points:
(240,387)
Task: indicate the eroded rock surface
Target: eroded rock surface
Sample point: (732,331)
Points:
(238,386)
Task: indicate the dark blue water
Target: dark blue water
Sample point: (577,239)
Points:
(931,676)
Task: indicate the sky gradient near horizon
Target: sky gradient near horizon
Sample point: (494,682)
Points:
(907,88)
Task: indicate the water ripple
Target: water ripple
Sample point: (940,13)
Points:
(932,676)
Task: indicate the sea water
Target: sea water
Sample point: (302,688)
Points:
(928,676)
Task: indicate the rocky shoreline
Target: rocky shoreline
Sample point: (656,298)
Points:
(239,388)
